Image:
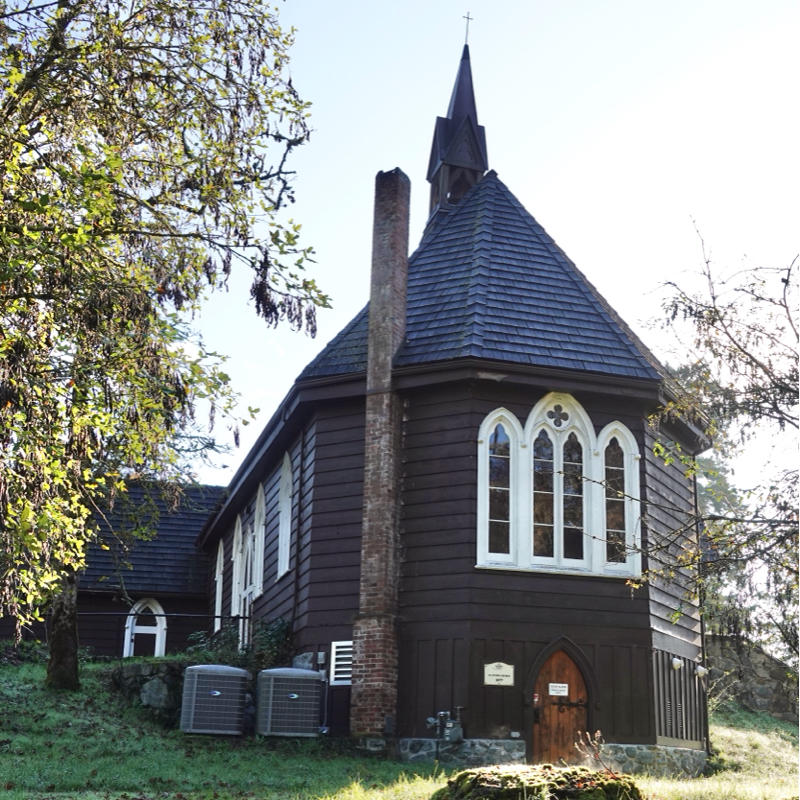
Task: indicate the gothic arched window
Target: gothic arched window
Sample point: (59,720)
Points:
(554,496)
(498,445)
(284,516)
(145,629)
(219,571)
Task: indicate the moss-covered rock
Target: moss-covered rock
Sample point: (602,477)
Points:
(520,781)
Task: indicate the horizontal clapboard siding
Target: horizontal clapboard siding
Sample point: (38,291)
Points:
(455,617)
(669,501)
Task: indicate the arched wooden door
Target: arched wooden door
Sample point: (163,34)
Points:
(560,704)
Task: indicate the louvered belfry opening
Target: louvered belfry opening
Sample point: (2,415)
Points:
(458,157)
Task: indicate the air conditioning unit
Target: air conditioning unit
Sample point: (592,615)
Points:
(288,702)
(214,698)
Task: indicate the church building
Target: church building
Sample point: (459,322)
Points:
(456,502)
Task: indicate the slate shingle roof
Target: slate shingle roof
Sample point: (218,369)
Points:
(345,353)
(487,281)
(167,564)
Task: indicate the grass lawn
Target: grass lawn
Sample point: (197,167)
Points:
(89,745)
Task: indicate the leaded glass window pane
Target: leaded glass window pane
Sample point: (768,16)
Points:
(498,504)
(615,503)
(499,443)
(572,501)
(499,491)
(499,538)
(499,471)
(543,540)
(543,495)
(573,543)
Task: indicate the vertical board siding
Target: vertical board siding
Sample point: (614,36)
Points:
(331,557)
(680,699)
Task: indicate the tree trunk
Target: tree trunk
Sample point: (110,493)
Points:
(62,666)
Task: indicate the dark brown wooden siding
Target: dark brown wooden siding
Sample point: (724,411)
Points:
(101,622)
(679,700)
(319,593)
(668,497)
(330,568)
(455,617)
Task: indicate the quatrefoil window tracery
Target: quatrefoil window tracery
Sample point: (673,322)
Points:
(558,416)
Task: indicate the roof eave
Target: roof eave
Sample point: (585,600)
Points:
(496,371)
(278,429)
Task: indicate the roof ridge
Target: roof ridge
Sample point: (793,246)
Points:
(481,271)
(634,344)
(438,223)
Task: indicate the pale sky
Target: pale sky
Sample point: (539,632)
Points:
(624,127)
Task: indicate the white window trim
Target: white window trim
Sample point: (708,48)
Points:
(633,520)
(284,517)
(521,486)
(132,627)
(219,573)
(515,435)
(341,667)
(258,549)
(237,584)
(579,424)
(236,559)
(247,591)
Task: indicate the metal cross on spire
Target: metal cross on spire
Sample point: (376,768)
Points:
(468,18)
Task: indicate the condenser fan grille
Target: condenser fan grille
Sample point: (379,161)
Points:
(288,702)
(214,699)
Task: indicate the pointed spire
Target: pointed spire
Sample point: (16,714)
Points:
(462,100)
(458,154)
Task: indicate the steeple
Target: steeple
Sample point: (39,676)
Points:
(458,154)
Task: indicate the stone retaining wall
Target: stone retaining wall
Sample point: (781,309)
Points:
(741,671)
(157,686)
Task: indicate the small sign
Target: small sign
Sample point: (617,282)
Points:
(558,689)
(498,674)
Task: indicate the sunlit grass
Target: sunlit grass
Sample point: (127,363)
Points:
(758,757)
(90,745)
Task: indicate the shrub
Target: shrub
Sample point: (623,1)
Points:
(541,782)
(270,646)
(23,652)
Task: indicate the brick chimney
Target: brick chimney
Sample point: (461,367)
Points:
(374,690)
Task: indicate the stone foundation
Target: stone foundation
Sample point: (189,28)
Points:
(470,752)
(656,760)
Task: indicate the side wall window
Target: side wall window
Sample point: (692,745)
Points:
(554,496)
(147,621)
(284,516)
(236,567)
(219,572)
(620,512)
(258,547)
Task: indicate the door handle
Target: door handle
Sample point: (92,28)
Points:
(563,705)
